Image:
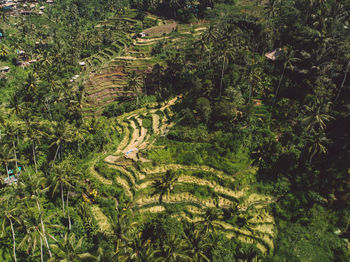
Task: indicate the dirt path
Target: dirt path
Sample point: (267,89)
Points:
(170,103)
(135,135)
(125,140)
(131,58)
(155,123)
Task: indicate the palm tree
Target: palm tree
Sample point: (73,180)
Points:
(31,83)
(33,234)
(79,133)
(69,249)
(137,249)
(165,184)
(208,223)
(121,227)
(35,131)
(3,17)
(342,84)
(9,209)
(157,72)
(317,116)
(196,244)
(317,145)
(16,104)
(32,187)
(62,134)
(134,84)
(226,53)
(272,8)
(61,179)
(6,156)
(174,249)
(208,37)
(4,50)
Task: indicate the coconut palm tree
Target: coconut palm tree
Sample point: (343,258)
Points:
(16,104)
(157,72)
(137,249)
(317,145)
(210,217)
(121,226)
(174,249)
(165,184)
(35,132)
(31,83)
(60,180)
(4,50)
(289,59)
(317,116)
(11,136)
(9,210)
(343,82)
(224,56)
(134,84)
(31,188)
(272,8)
(62,134)
(31,224)
(209,36)
(69,249)
(6,156)
(196,245)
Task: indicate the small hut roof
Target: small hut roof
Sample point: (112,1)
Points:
(274,54)
(4,68)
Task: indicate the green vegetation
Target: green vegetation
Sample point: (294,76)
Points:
(175,131)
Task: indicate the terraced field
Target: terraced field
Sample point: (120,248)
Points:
(106,72)
(196,189)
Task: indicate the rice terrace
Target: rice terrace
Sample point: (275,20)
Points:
(187,131)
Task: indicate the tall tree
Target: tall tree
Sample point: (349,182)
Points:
(165,184)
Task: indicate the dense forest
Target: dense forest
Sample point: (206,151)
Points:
(175,130)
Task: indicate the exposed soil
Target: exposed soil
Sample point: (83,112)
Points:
(161,29)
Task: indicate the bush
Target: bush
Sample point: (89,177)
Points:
(147,123)
(117,109)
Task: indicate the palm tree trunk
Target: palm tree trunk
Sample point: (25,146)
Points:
(54,159)
(62,199)
(342,84)
(279,83)
(14,241)
(14,150)
(41,250)
(48,108)
(250,92)
(7,170)
(34,156)
(58,148)
(69,222)
(43,228)
(222,75)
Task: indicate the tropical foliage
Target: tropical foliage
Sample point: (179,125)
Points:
(221,135)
